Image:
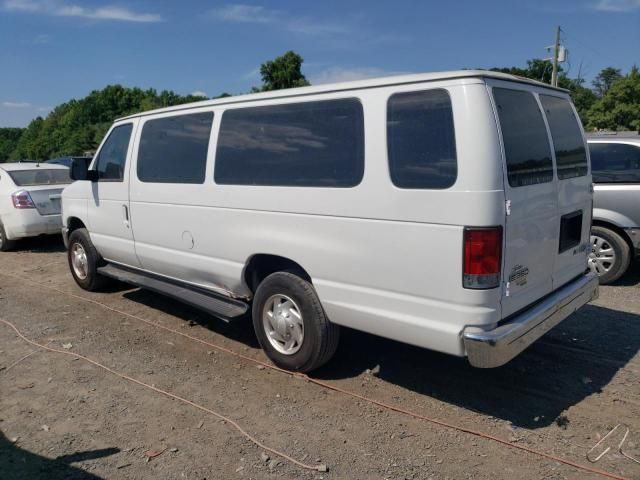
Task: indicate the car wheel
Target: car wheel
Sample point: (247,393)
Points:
(291,324)
(5,243)
(610,255)
(84,261)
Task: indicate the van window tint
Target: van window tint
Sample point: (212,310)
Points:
(526,145)
(311,144)
(571,158)
(420,140)
(615,163)
(113,154)
(174,149)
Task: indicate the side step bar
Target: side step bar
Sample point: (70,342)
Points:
(223,307)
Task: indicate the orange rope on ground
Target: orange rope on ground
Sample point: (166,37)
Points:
(168,394)
(329,386)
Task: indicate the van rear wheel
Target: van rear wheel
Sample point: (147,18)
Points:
(291,324)
(610,255)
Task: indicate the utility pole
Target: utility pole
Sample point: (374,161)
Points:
(556,51)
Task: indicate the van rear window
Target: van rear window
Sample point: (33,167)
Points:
(526,145)
(310,144)
(421,140)
(571,158)
(174,149)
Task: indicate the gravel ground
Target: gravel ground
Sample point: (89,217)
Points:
(63,418)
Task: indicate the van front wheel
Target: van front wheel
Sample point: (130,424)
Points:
(610,255)
(84,261)
(291,325)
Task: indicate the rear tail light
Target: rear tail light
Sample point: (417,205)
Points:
(482,257)
(22,199)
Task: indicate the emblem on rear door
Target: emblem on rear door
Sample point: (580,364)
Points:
(518,275)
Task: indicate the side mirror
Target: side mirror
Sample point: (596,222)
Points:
(80,170)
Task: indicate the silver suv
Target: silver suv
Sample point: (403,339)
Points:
(615,236)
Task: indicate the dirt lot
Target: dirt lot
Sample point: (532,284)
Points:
(63,418)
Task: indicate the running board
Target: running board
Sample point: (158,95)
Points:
(223,307)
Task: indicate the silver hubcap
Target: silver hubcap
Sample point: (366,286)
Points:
(602,257)
(79,261)
(282,322)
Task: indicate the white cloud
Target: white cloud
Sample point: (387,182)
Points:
(59,9)
(617,5)
(42,39)
(16,104)
(245,13)
(337,74)
(241,13)
(198,93)
(252,75)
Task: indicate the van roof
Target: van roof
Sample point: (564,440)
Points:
(352,85)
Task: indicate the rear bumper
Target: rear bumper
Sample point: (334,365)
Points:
(492,348)
(65,236)
(29,223)
(634,236)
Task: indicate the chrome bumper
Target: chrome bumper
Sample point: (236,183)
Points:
(492,348)
(65,236)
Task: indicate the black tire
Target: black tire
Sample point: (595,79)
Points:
(321,337)
(5,244)
(93,280)
(610,272)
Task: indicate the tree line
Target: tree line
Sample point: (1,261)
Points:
(77,126)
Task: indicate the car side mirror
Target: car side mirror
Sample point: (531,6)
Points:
(80,170)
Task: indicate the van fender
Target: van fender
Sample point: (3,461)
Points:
(74,208)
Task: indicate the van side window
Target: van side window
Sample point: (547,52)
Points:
(526,145)
(615,163)
(421,141)
(113,154)
(571,158)
(174,149)
(310,144)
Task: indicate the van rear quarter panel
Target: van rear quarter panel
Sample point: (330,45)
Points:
(382,259)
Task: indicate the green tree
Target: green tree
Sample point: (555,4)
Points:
(619,108)
(29,144)
(537,69)
(77,126)
(283,72)
(8,140)
(605,79)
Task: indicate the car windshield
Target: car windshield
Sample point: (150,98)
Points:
(26,178)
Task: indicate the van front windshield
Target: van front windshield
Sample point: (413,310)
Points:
(30,178)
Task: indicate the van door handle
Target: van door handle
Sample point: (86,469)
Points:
(125,212)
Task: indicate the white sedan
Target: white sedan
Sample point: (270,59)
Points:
(30,200)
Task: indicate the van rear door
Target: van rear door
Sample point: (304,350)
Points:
(531,192)
(574,187)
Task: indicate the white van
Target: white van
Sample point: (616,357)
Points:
(450,211)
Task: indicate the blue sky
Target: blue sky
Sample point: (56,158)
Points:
(55,50)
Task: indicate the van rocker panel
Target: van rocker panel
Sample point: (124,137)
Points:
(224,308)
(493,348)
